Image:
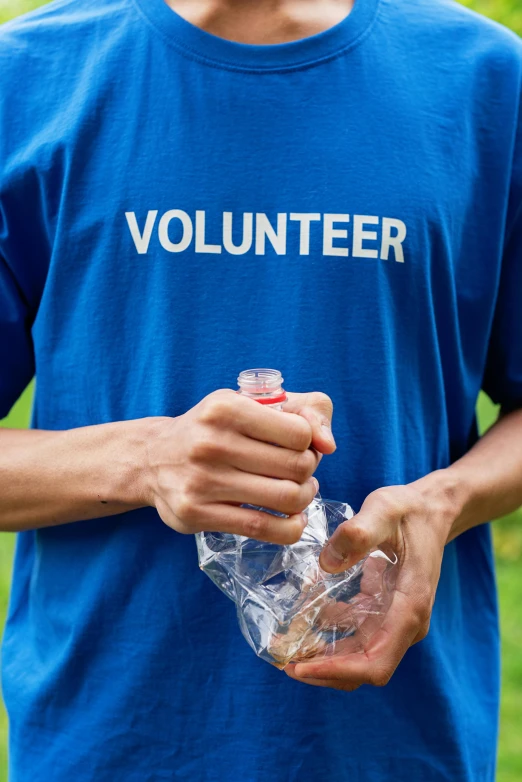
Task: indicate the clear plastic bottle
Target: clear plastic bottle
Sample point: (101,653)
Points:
(263,385)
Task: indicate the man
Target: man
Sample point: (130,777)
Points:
(189,191)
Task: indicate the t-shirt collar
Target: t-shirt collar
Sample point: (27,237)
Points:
(305,52)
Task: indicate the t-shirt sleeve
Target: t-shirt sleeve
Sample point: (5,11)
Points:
(24,235)
(503,374)
(16,348)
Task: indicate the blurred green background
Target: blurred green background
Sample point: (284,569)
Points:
(507,532)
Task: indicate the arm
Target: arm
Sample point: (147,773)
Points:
(418,520)
(195,469)
(49,478)
(487,481)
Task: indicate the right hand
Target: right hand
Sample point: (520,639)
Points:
(226,451)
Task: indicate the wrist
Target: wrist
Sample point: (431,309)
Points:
(132,479)
(446,495)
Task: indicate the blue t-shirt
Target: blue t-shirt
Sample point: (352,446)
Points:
(176,207)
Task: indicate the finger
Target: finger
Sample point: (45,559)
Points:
(255,457)
(253,524)
(279,495)
(317,409)
(375,523)
(331,683)
(322,437)
(261,423)
(381,657)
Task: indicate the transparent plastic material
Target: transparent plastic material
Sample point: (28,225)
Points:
(264,386)
(289,609)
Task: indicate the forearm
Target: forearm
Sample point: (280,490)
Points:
(484,484)
(49,478)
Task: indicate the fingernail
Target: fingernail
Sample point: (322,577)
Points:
(316,484)
(327,433)
(331,559)
(304,518)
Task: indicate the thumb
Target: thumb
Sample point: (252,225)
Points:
(356,537)
(317,409)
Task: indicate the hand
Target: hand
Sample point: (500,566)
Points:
(229,450)
(415,521)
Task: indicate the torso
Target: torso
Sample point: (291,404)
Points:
(398,125)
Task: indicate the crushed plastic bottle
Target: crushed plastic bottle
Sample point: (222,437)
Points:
(288,608)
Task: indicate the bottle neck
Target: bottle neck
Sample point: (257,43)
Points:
(263,385)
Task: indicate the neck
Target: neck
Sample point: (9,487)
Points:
(263,21)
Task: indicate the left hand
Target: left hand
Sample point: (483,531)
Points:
(415,520)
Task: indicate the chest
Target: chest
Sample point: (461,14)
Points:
(297,187)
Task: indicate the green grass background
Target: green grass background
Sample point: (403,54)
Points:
(507,532)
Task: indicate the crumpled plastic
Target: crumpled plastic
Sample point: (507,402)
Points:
(289,609)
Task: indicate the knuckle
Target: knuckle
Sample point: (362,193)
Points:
(185,508)
(388,502)
(424,630)
(358,535)
(195,485)
(308,464)
(309,492)
(293,463)
(217,410)
(348,687)
(380,677)
(419,615)
(300,433)
(255,526)
(205,449)
(422,613)
(301,465)
(290,533)
(289,497)
(323,403)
